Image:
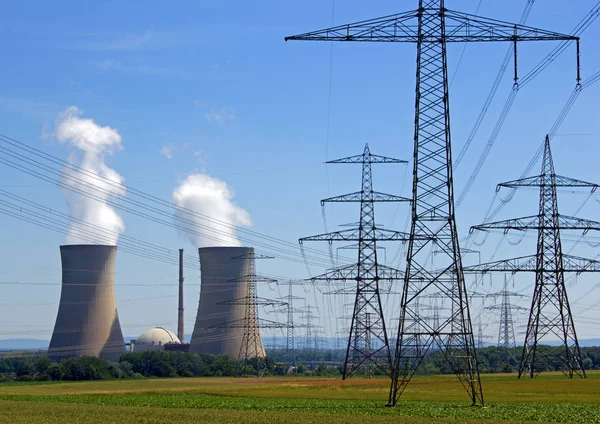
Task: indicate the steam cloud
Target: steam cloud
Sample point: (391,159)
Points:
(91,143)
(210,196)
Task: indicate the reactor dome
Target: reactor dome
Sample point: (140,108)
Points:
(155,339)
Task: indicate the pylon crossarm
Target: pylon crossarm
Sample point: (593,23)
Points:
(358,197)
(355,246)
(538,181)
(254,278)
(500,307)
(403,28)
(261,301)
(574,223)
(464,27)
(367,157)
(353,234)
(387,28)
(570,263)
(565,222)
(350,272)
(252,256)
(242,323)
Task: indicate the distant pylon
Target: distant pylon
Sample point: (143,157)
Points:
(550,309)
(290,310)
(368,343)
(506,329)
(252,347)
(481,336)
(550,314)
(180,330)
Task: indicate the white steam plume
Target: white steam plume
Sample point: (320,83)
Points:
(91,143)
(211,197)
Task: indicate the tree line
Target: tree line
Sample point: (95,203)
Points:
(181,364)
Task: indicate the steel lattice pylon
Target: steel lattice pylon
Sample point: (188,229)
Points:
(431,26)
(251,347)
(290,356)
(550,309)
(506,329)
(367,341)
(550,314)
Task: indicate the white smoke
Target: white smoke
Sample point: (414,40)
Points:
(210,197)
(92,144)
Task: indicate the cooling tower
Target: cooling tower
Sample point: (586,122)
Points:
(87,323)
(220,265)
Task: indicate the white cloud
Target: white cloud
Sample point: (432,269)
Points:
(137,68)
(214,215)
(91,144)
(218,114)
(173,149)
(132,42)
(144,40)
(199,154)
(167,151)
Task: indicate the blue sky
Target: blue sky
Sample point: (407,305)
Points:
(214,87)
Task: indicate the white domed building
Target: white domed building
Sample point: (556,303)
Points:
(154,339)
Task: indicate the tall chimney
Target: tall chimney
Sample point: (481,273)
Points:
(180,310)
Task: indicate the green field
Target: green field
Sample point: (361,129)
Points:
(549,398)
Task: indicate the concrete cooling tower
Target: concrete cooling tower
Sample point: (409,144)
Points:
(220,265)
(87,323)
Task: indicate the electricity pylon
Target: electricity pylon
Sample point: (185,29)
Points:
(550,313)
(367,341)
(431,27)
(290,350)
(506,329)
(480,335)
(251,346)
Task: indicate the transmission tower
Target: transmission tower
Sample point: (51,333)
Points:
(431,27)
(290,356)
(480,335)
(550,313)
(367,328)
(180,330)
(311,335)
(506,329)
(251,347)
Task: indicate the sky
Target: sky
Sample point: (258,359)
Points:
(212,89)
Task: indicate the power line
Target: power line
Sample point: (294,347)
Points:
(543,64)
(69,181)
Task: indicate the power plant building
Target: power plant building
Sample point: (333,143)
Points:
(87,323)
(225,273)
(154,339)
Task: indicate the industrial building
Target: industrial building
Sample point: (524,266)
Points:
(154,339)
(225,274)
(87,323)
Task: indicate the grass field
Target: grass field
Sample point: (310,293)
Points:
(549,398)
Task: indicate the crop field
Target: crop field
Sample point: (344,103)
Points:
(549,398)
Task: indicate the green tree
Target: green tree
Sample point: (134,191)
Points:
(42,364)
(55,372)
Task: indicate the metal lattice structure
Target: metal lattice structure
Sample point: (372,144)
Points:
(550,315)
(480,334)
(180,328)
(290,311)
(252,345)
(506,329)
(431,27)
(367,341)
